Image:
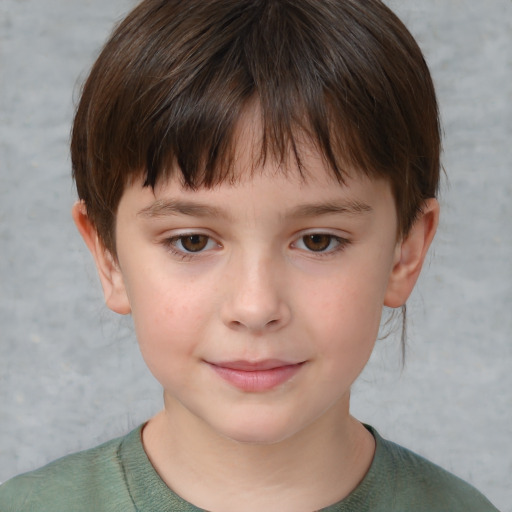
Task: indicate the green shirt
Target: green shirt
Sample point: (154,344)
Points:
(118,477)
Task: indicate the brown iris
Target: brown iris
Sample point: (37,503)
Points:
(317,242)
(194,243)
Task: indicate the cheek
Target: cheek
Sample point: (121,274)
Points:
(168,319)
(347,327)
(344,315)
(350,305)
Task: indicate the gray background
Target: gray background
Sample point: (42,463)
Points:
(70,372)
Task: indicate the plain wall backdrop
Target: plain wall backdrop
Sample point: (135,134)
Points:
(70,372)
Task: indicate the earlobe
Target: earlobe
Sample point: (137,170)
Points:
(410,255)
(108,268)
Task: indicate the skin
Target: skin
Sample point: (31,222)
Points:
(258,290)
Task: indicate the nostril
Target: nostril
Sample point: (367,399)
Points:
(256,317)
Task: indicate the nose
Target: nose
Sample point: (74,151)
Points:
(256,297)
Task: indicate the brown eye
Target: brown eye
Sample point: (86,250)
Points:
(193,243)
(317,242)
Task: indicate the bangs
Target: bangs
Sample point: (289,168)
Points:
(174,101)
(191,106)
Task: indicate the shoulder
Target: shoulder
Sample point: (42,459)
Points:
(89,480)
(420,485)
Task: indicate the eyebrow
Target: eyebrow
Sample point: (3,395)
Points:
(330,207)
(166,207)
(169,207)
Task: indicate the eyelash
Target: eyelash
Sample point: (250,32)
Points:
(342,244)
(183,255)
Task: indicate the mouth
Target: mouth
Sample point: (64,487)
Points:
(256,376)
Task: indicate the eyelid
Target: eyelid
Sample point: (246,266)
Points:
(169,242)
(342,242)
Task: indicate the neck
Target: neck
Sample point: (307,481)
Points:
(312,469)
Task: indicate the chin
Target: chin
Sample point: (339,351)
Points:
(260,431)
(256,438)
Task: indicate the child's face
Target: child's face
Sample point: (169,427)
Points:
(257,304)
(274,275)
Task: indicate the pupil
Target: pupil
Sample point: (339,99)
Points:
(317,242)
(194,243)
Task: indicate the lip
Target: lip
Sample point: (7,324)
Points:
(256,376)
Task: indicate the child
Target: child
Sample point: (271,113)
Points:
(257,179)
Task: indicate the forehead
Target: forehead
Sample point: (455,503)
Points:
(300,167)
(254,149)
(267,194)
(300,181)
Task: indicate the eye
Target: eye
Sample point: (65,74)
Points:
(317,242)
(192,243)
(321,243)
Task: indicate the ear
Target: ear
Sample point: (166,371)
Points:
(410,255)
(109,271)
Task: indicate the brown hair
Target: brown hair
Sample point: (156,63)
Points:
(171,83)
